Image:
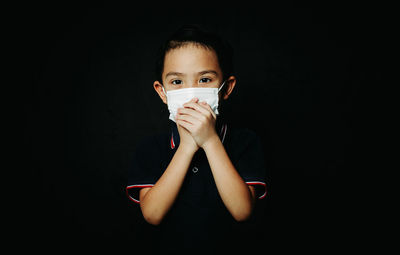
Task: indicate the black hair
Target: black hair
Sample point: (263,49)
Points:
(198,36)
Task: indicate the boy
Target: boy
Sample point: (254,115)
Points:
(195,181)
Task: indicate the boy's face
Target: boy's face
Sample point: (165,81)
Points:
(191,66)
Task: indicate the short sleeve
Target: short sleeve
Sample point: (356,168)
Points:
(250,162)
(145,168)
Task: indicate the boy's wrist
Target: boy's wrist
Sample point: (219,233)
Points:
(208,145)
(189,150)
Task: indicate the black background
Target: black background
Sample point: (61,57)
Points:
(301,70)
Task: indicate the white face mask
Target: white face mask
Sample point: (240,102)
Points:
(176,98)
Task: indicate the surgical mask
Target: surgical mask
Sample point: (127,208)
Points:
(176,98)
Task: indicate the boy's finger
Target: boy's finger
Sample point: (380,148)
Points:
(193,100)
(183,115)
(208,108)
(190,111)
(184,124)
(197,107)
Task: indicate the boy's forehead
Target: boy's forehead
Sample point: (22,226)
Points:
(191,59)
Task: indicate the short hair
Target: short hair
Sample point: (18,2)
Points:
(194,34)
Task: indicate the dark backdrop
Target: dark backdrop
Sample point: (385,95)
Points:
(300,69)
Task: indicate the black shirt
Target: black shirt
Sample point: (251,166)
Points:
(198,219)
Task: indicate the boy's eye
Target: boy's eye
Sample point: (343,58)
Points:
(176,82)
(204,80)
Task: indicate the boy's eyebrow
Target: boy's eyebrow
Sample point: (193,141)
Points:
(174,74)
(208,71)
(199,73)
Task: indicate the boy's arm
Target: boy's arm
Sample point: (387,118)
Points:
(156,201)
(238,197)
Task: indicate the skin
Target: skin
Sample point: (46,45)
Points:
(186,67)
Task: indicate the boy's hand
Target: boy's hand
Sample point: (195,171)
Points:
(199,119)
(186,139)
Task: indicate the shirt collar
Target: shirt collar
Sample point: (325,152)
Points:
(221,128)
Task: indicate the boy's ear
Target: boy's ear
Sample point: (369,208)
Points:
(230,85)
(159,89)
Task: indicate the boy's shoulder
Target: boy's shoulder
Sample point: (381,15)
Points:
(240,138)
(243,133)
